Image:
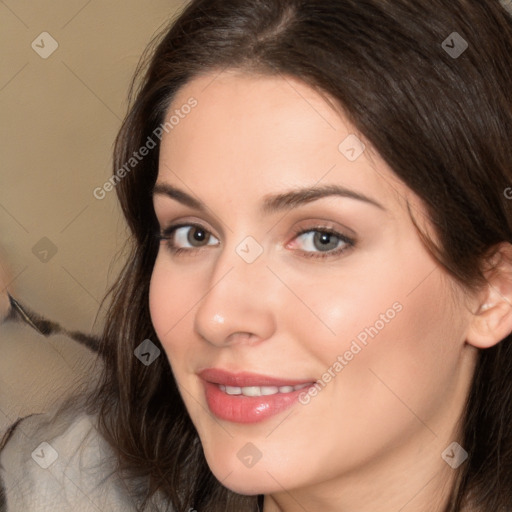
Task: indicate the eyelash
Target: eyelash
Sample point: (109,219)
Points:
(168,233)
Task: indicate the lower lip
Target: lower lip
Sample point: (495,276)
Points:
(248,409)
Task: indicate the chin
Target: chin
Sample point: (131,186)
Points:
(248,484)
(249,481)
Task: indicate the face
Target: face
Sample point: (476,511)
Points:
(311,334)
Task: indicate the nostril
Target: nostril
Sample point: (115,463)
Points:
(241,337)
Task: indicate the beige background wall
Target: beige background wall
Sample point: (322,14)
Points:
(59,118)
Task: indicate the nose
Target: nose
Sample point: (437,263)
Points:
(239,305)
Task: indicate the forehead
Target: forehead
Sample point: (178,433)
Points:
(256,134)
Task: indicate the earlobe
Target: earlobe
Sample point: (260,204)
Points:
(492,321)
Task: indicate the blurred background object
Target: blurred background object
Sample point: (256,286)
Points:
(66,69)
(507,4)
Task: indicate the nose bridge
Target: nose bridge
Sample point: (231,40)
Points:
(237,299)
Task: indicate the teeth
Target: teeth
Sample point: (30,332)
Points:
(251,391)
(260,390)
(269,390)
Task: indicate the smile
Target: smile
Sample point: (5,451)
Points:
(248,397)
(260,391)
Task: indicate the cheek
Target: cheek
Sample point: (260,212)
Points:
(170,300)
(159,296)
(336,309)
(385,338)
(407,363)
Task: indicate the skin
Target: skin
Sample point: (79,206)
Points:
(372,438)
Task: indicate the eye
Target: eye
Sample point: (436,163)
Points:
(317,242)
(322,242)
(187,237)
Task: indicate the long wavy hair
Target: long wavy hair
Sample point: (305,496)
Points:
(441,121)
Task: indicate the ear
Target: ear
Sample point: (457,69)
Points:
(492,320)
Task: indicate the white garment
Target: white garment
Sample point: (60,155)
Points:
(62,464)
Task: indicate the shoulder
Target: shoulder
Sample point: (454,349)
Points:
(60,463)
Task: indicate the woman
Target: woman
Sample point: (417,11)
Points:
(316,313)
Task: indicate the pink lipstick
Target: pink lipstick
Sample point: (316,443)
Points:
(248,397)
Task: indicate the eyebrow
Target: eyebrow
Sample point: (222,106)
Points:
(276,202)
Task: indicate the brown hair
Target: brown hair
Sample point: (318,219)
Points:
(442,122)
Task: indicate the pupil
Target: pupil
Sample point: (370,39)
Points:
(199,235)
(326,241)
(196,235)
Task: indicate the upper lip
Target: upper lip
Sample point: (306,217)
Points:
(246,379)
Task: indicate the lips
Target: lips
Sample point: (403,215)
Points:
(248,397)
(244,379)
